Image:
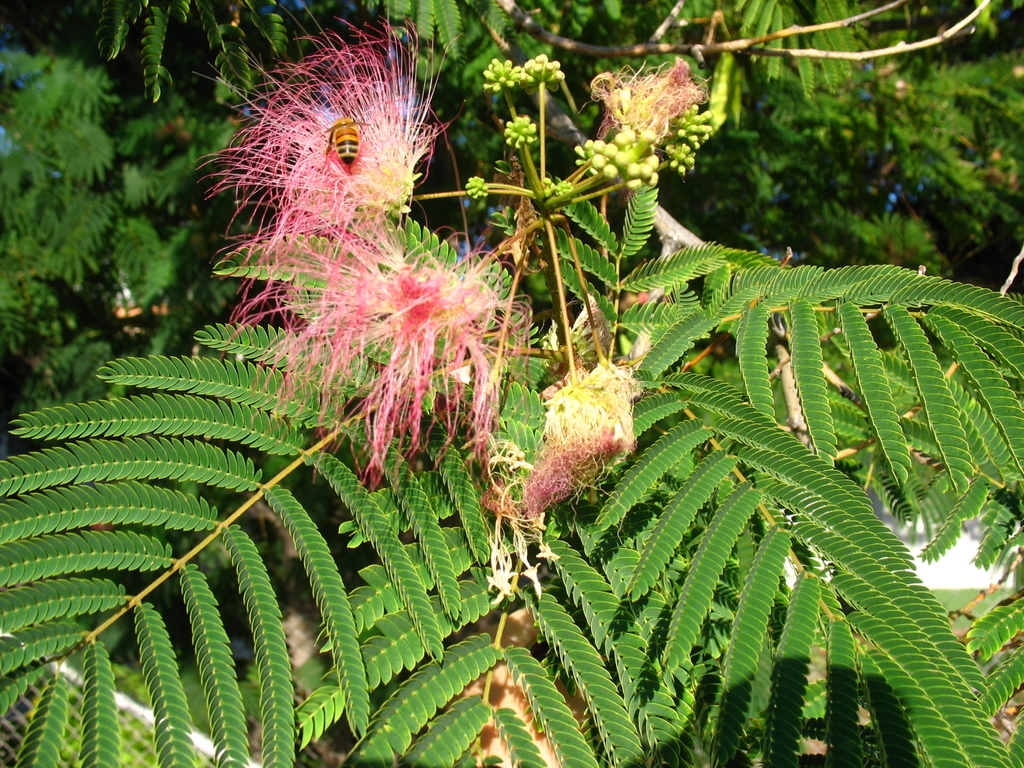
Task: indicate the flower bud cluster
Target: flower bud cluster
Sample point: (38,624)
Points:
(502,75)
(629,155)
(554,188)
(533,75)
(539,72)
(689,131)
(476,188)
(520,132)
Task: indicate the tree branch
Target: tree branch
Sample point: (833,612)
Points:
(749,45)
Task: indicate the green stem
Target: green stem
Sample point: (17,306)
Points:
(591,306)
(543,100)
(222,526)
(571,196)
(563,307)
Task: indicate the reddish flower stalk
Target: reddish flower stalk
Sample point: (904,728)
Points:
(286,164)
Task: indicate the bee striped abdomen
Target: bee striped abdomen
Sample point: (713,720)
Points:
(344,140)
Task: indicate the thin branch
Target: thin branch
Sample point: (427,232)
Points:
(750,45)
(668,23)
(1013,272)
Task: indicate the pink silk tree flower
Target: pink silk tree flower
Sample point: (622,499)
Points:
(335,140)
(400,339)
(646,103)
(589,427)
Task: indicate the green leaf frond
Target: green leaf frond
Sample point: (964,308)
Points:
(517,740)
(213,656)
(870,373)
(789,675)
(607,708)
(748,641)
(44,600)
(662,539)
(993,630)
(179,415)
(42,641)
(102,740)
(937,403)
(660,458)
(708,563)
(751,349)
(450,734)
(258,343)
(593,223)
(240,382)
(46,734)
(118,15)
(549,709)
(332,599)
(420,697)
(57,554)
(376,517)
(807,365)
(61,509)
(153,38)
(683,266)
(676,340)
(131,458)
(639,221)
(593,262)
(270,650)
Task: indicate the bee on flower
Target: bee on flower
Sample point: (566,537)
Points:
(359,101)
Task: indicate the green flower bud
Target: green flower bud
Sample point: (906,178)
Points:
(476,188)
(520,132)
(538,72)
(501,75)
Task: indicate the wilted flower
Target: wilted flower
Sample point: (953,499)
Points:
(395,336)
(646,104)
(589,425)
(287,162)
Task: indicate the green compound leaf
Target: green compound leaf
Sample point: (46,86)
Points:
(417,699)
(449,735)
(695,597)
(751,348)
(54,598)
(789,676)
(127,459)
(332,600)
(672,525)
(61,509)
(270,649)
(747,641)
(376,524)
(641,478)
(643,206)
(41,748)
(607,708)
(937,404)
(807,367)
(871,378)
(550,710)
(101,742)
(214,659)
(163,680)
(517,740)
